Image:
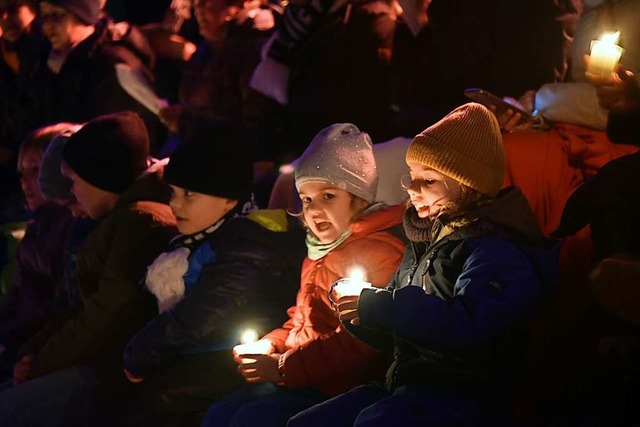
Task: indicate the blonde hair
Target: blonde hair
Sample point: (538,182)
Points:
(38,140)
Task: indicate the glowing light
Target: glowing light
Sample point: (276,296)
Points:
(258,347)
(248,336)
(351,286)
(357,275)
(605,54)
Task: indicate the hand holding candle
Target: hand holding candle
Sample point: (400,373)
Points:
(349,286)
(605,54)
(251,345)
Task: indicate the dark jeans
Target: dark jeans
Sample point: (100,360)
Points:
(409,406)
(260,404)
(58,399)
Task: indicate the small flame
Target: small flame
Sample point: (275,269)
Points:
(357,274)
(248,336)
(611,38)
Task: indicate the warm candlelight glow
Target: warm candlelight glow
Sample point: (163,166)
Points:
(356,275)
(248,336)
(352,285)
(257,347)
(605,54)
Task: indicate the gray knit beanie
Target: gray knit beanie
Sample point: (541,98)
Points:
(340,155)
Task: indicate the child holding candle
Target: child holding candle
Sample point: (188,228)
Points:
(232,267)
(312,357)
(476,266)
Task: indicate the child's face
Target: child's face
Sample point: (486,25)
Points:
(196,211)
(29,168)
(96,202)
(327,210)
(429,190)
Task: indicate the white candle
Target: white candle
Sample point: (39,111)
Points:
(605,54)
(352,285)
(251,345)
(258,347)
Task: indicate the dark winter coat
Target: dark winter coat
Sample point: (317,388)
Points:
(215,83)
(87,84)
(110,270)
(456,307)
(16,115)
(38,277)
(248,278)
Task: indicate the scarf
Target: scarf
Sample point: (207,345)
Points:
(171,273)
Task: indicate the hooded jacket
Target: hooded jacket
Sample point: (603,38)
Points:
(318,351)
(111,266)
(457,306)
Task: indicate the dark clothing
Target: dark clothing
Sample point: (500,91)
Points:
(252,280)
(340,73)
(246,277)
(16,118)
(502,46)
(16,110)
(87,85)
(111,264)
(38,279)
(215,84)
(624,128)
(457,306)
(607,203)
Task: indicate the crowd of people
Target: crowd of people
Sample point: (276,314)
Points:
(181,174)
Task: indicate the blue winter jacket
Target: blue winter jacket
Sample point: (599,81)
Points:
(457,307)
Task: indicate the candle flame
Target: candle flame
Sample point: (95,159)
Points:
(611,38)
(357,274)
(248,336)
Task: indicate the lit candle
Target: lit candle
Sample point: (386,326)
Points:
(251,345)
(605,54)
(352,285)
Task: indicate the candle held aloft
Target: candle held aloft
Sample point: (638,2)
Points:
(605,54)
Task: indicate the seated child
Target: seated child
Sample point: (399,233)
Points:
(476,266)
(107,161)
(38,277)
(232,267)
(312,357)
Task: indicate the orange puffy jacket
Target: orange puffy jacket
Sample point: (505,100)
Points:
(319,352)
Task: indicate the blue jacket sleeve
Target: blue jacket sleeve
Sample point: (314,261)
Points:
(498,285)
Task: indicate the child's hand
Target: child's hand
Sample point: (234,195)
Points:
(347,308)
(260,368)
(619,94)
(22,369)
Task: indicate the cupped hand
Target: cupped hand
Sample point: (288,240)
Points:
(260,368)
(347,308)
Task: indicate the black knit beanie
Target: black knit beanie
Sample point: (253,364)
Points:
(110,151)
(87,11)
(217,161)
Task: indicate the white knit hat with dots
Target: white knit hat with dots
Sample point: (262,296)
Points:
(342,156)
